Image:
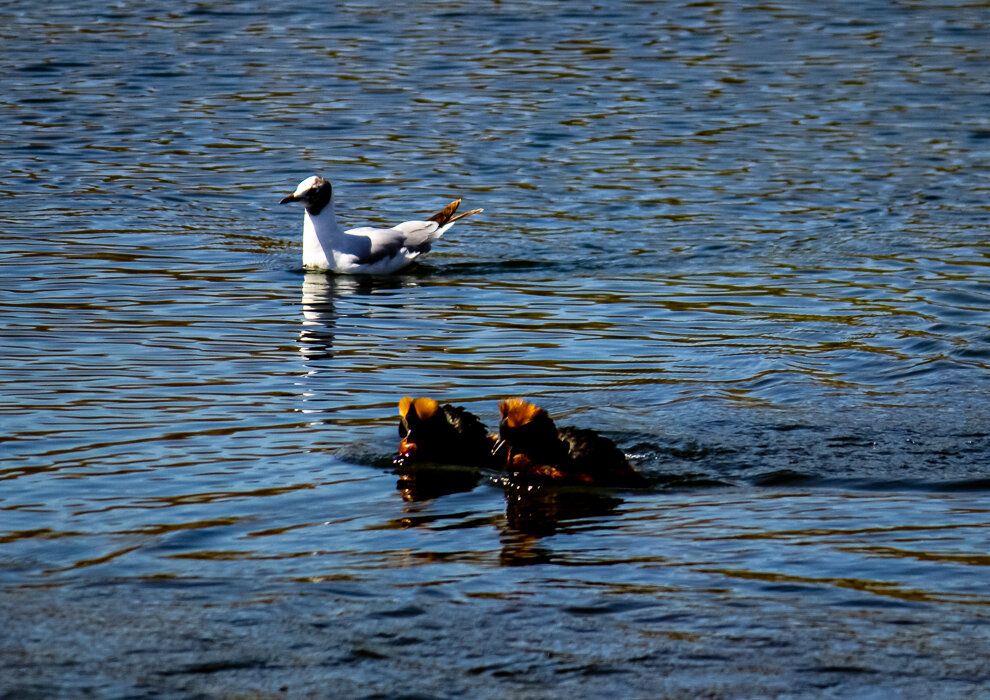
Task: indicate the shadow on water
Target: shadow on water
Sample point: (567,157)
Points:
(425,482)
(532,514)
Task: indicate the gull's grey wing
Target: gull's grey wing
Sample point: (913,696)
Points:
(369,245)
(419,234)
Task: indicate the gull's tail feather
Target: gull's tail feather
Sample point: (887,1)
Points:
(446,216)
(461,216)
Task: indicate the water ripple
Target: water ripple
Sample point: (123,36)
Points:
(747,242)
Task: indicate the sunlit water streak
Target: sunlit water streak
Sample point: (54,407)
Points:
(749,243)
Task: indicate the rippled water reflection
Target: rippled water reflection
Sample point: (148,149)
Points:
(748,242)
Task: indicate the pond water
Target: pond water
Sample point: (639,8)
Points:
(749,243)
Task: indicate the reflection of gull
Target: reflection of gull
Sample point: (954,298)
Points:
(364,250)
(319,317)
(321,293)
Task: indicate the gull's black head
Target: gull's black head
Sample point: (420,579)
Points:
(314,192)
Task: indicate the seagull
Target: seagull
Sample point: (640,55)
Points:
(365,250)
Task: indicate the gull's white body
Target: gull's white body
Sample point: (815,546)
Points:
(365,250)
(326,246)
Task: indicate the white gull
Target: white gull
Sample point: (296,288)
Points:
(364,250)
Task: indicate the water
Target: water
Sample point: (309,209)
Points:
(747,242)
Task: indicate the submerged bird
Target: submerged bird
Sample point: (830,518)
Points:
(431,432)
(537,451)
(365,250)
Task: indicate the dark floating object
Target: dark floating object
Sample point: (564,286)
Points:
(441,433)
(534,450)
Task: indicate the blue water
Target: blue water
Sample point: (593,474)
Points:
(747,242)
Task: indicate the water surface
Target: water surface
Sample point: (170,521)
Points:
(748,243)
